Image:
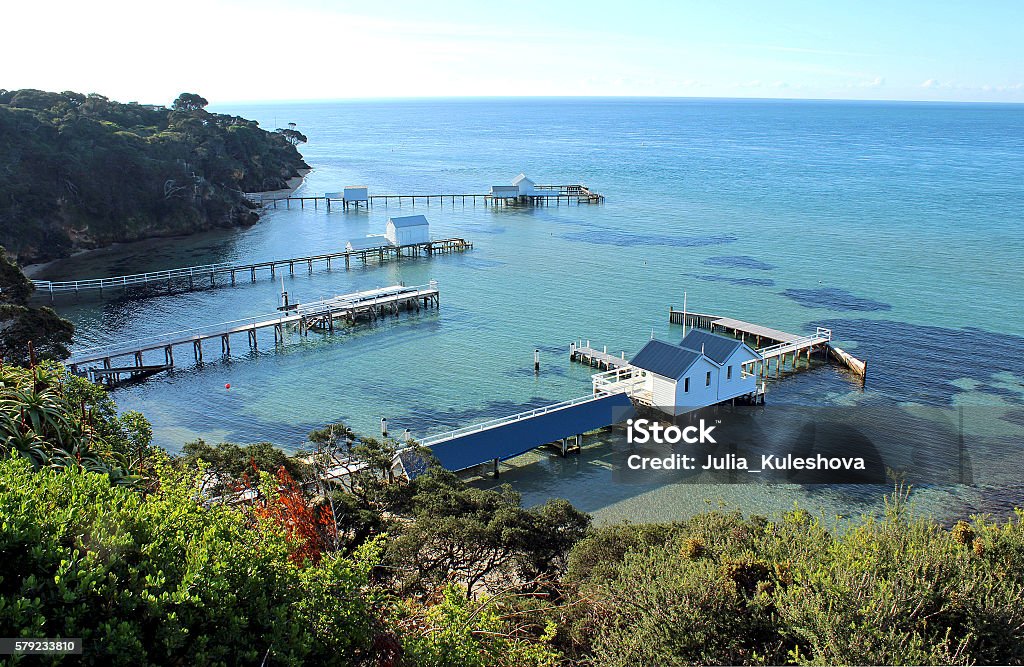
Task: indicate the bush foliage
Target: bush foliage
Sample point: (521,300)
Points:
(724,589)
(242,555)
(162,579)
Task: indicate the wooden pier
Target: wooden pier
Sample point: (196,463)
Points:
(97,363)
(772,344)
(589,356)
(194,277)
(543,195)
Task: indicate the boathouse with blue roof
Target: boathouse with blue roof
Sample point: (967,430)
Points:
(703,369)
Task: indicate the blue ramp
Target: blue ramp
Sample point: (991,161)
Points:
(517,434)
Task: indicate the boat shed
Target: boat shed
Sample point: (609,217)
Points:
(367,242)
(408,230)
(355,193)
(704,369)
(524,185)
(504,191)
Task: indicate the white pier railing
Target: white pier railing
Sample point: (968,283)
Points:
(821,336)
(501,421)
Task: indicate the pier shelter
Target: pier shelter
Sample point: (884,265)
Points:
(504,191)
(523,185)
(407,230)
(355,194)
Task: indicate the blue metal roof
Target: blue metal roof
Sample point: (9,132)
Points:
(716,347)
(408,221)
(665,359)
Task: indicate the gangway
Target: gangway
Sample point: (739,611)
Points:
(506,437)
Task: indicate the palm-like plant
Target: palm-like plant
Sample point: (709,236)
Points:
(38,423)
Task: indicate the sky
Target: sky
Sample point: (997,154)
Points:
(233,51)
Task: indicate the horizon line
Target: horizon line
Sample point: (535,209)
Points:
(413,98)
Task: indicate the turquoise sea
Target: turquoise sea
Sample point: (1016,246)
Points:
(898,225)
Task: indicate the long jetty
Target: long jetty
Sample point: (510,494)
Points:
(97,363)
(207,274)
(542,195)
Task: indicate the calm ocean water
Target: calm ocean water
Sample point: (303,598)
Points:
(897,225)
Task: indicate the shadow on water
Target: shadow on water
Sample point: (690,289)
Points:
(833,298)
(912,362)
(739,262)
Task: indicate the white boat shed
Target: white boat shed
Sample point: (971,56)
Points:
(704,369)
(407,230)
(355,193)
(521,186)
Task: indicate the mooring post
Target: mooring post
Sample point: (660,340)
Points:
(384,427)
(536,361)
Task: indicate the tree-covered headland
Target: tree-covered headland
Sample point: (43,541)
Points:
(82,171)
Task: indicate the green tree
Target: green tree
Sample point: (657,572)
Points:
(84,171)
(228,467)
(473,536)
(292,136)
(189,102)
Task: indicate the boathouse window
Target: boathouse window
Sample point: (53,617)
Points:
(686,384)
(728,373)
(707,380)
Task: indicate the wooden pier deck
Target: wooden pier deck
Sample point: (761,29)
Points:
(778,350)
(772,343)
(585,354)
(321,315)
(543,195)
(193,277)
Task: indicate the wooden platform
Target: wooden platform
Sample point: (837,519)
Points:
(323,315)
(585,354)
(205,276)
(771,343)
(757,333)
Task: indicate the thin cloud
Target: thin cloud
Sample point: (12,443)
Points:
(798,49)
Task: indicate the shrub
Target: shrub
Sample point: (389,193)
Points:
(161,579)
(893,590)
